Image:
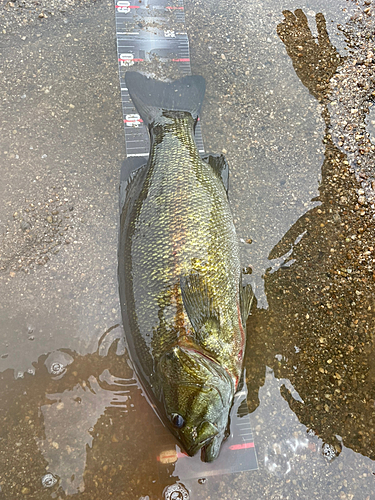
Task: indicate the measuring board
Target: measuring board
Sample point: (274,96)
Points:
(237,453)
(151,39)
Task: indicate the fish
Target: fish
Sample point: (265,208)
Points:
(183,304)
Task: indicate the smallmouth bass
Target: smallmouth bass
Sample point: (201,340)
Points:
(183,305)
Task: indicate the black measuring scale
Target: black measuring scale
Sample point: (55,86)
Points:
(151,38)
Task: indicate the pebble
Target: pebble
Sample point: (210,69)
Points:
(353,95)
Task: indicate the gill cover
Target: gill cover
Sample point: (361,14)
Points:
(200,392)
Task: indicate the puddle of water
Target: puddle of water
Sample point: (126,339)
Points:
(71,412)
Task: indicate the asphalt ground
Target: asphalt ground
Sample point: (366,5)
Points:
(290,104)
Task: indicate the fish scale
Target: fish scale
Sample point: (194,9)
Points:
(181,227)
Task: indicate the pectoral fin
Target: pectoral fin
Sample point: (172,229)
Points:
(198,303)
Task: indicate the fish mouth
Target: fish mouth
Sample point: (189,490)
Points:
(205,433)
(208,448)
(211,449)
(204,452)
(193,450)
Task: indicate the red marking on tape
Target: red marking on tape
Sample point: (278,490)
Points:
(128,60)
(242,446)
(181,60)
(133,121)
(174,8)
(178,454)
(127,6)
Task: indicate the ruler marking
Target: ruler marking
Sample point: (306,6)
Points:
(141,46)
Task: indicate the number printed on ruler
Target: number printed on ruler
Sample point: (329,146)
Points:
(123,7)
(150,35)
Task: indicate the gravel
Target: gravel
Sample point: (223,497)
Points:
(17,16)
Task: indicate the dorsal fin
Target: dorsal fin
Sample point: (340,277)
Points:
(129,170)
(246,300)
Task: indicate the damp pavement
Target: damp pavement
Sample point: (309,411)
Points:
(289,100)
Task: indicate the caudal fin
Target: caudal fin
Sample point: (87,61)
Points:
(151,96)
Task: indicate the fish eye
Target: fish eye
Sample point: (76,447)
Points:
(177,420)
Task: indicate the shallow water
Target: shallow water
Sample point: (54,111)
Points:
(70,405)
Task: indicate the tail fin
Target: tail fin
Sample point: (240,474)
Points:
(151,96)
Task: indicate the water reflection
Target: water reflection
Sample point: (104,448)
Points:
(317,335)
(86,430)
(371,123)
(314,61)
(318,331)
(267,122)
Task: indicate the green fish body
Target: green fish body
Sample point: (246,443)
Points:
(183,305)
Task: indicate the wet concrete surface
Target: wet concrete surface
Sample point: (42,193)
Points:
(301,190)
(59,187)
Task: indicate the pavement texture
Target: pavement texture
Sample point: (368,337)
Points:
(290,93)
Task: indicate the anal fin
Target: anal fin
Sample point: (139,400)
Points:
(219,165)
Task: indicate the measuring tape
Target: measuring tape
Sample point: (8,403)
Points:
(150,39)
